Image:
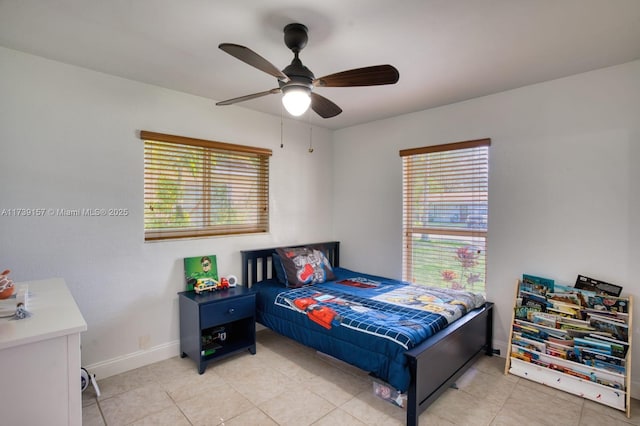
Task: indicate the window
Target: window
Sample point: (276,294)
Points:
(445,211)
(194,187)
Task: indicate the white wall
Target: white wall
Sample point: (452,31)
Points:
(68,139)
(564,196)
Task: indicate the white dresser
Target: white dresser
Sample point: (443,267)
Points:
(40,359)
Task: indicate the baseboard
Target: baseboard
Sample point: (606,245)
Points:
(134,360)
(635,390)
(121,364)
(502,347)
(138,359)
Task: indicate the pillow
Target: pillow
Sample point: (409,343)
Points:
(281,275)
(305,266)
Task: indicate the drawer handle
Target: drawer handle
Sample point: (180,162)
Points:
(231,311)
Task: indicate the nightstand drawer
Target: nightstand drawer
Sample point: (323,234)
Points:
(225,311)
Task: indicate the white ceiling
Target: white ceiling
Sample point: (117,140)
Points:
(445,50)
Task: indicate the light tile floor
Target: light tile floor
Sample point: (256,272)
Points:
(288,384)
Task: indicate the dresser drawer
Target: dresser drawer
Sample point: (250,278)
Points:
(225,311)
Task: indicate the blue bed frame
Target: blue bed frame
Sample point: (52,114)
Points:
(435,364)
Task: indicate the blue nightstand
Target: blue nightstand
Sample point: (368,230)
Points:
(216,324)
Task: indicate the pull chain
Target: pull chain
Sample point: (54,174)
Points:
(310,131)
(281,131)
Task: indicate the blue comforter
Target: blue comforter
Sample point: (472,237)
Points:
(365,320)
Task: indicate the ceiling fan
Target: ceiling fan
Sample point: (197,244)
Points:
(297,81)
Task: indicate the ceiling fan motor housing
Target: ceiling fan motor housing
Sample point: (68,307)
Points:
(295,37)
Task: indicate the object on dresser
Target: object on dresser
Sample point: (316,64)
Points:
(21,312)
(13,299)
(6,285)
(598,286)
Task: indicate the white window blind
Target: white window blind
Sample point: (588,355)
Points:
(445,214)
(195,187)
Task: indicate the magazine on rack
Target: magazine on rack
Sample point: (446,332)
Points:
(597,286)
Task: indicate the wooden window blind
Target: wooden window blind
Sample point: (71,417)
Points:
(445,214)
(195,187)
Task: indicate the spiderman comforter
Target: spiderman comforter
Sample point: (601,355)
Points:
(364,320)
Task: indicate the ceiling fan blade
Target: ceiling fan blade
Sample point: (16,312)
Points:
(323,106)
(368,76)
(250,57)
(248,97)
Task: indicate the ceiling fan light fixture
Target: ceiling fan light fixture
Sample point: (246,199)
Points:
(296,99)
(296,81)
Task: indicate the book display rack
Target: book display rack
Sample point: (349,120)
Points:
(573,339)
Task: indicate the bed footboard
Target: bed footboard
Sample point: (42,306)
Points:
(439,362)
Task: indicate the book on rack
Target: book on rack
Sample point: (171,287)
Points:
(534,301)
(564,340)
(542,329)
(618,330)
(571,371)
(609,303)
(562,313)
(568,322)
(560,350)
(532,332)
(613,316)
(567,309)
(618,347)
(599,360)
(526,312)
(569,298)
(528,343)
(537,337)
(523,353)
(536,285)
(544,318)
(571,295)
(597,286)
(593,345)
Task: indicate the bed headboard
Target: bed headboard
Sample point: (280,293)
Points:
(257,264)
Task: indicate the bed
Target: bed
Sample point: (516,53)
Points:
(416,351)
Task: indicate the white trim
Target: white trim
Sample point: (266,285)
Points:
(134,360)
